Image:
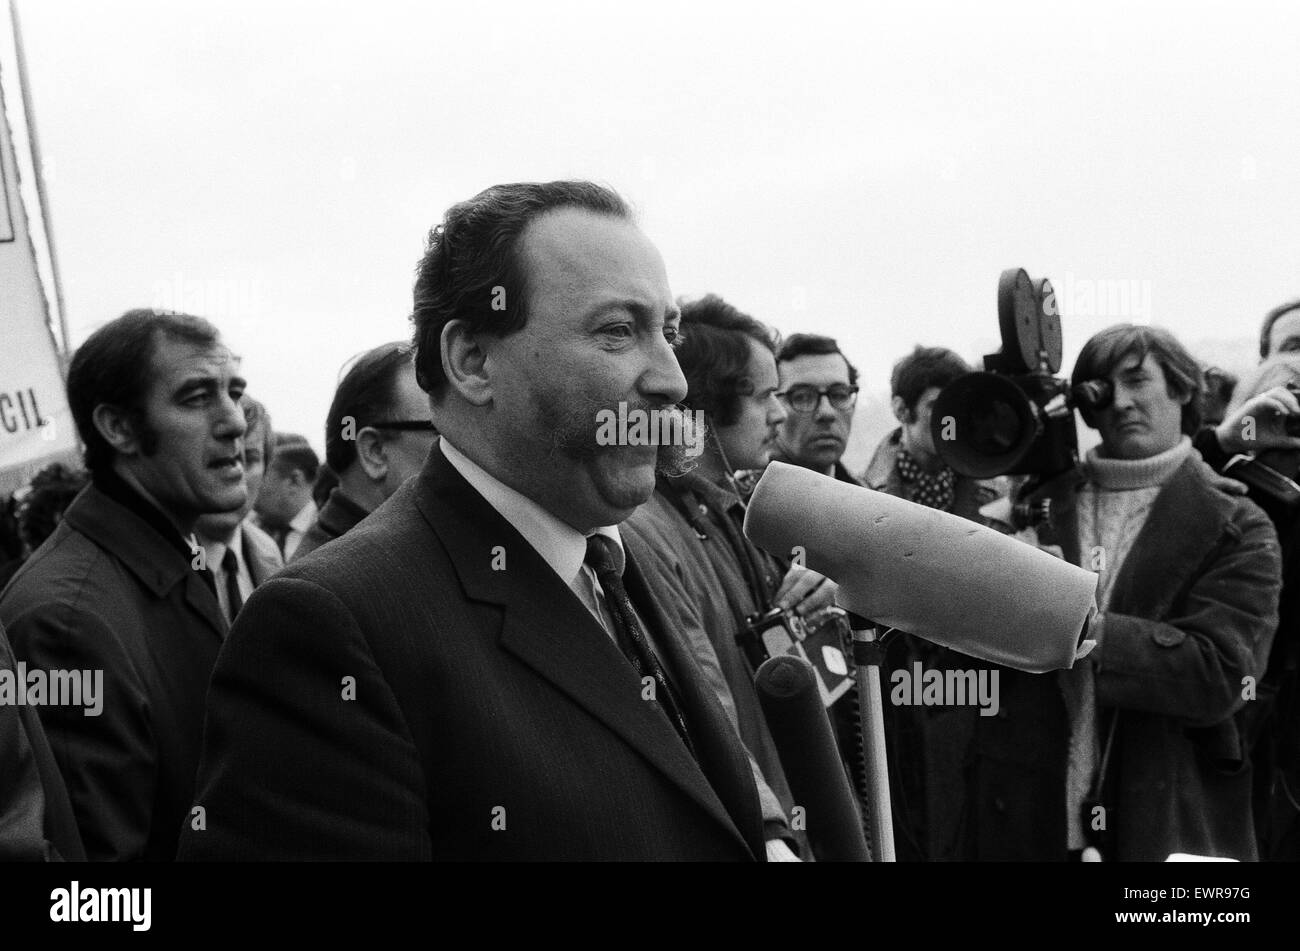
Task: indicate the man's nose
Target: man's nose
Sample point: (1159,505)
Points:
(663,380)
(230,423)
(1123,398)
(824,409)
(776,413)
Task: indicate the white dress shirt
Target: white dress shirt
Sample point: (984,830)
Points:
(214,552)
(561,546)
(298,527)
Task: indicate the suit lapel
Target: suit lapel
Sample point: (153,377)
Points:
(727,769)
(562,643)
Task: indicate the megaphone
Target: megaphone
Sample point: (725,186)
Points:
(927,572)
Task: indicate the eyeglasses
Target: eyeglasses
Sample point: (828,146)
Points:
(805,397)
(423,425)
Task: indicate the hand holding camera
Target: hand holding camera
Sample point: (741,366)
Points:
(1270,420)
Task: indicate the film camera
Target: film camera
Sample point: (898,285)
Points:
(1016,417)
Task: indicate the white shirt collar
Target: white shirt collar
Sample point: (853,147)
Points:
(305,517)
(561,545)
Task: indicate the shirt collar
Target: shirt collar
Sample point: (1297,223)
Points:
(303,520)
(561,545)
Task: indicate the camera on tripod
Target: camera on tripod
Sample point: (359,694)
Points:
(1016,417)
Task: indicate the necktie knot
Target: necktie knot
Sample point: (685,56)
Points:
(230,561)
(604,556)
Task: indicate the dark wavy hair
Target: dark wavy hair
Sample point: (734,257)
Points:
(115,366)
(471,268)
(714,356)
(804,345)
(923,368)
(1108,348)
(366,394)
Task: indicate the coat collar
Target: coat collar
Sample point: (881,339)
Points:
(340,513)
(1161,561)
(153,559)
(547,627)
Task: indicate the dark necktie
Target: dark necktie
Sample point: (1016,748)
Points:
(605,558)
(230,567)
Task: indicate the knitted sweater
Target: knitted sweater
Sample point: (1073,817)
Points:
(1113,505)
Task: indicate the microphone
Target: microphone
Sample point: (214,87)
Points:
(792,704)
(930,573)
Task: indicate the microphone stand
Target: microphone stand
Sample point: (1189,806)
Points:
(877,811)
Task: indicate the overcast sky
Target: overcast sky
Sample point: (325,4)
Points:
(864,171)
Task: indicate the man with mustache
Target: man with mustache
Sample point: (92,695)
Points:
(1138,750)
(118,587)
(819,387)
(478,670)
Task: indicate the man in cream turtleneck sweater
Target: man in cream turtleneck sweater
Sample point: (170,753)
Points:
(1134,753)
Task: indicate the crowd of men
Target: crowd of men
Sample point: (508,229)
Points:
(479,631)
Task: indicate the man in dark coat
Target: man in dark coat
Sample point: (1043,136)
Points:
(1137,750)
(464,675)
(929,746)
(377,435)
(696,520)
(115,588)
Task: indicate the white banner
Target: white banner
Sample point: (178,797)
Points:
(35,422)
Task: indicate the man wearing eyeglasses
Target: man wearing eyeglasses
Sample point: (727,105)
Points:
(819,388)
(377,436)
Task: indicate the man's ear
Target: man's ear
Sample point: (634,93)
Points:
(371,454)
(115,426)
(901,412)
(464,362)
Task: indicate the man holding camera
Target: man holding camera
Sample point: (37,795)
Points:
(1258,443)
(1136,751)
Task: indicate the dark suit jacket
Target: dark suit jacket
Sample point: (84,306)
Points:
(337,517)
(396,696)
(107,592)
(260,553)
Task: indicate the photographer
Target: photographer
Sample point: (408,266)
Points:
(1255,444)
(1136,750)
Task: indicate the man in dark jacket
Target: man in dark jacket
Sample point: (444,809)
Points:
(695,520)
(928,745)
(477,671)
(1136,751)
(377,436)
(115,589)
